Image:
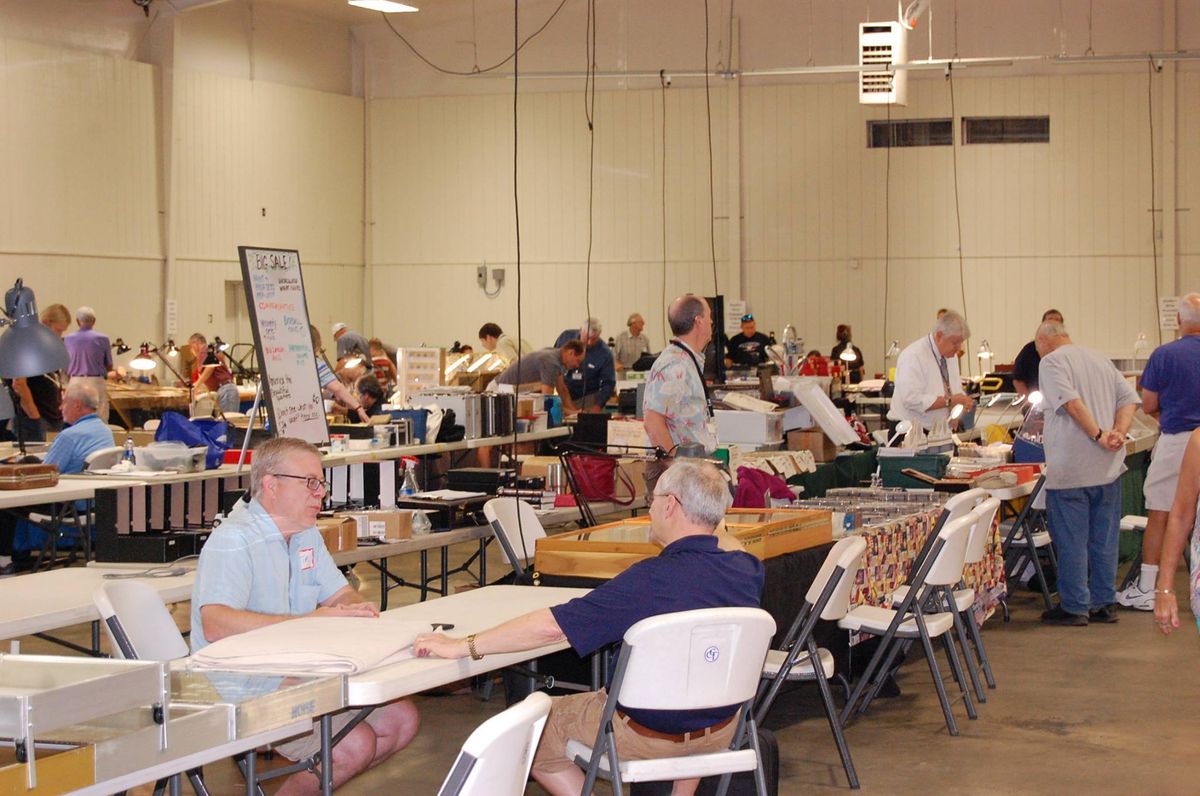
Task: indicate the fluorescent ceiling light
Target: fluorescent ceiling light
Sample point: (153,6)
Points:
(386,6)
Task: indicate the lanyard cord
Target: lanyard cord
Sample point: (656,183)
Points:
(699,372)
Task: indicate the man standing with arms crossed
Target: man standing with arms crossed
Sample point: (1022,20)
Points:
(1089,407)
(678,413)
(1170,390)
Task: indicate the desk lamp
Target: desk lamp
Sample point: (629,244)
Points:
(355,359)
(143,361)
(119,344)
(847,356)
(28,347)
(221,345)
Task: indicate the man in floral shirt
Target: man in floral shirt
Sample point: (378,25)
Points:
(678,413)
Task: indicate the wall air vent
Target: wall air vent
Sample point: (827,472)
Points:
(881,44)
(910,132)
(1006,130)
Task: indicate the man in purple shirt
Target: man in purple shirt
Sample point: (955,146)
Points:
(91,356)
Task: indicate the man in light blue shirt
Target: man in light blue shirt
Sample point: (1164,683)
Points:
(85,434)
(267,564)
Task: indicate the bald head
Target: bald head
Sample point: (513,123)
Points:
(1050,336)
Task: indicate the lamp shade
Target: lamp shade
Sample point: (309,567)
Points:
(143,361)
(28,347)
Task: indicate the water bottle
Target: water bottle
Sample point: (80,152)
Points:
(408,487)
(128,455)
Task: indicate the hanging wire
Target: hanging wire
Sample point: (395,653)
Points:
(1089,50)
(712,224)
(1153,188)
(887,228)
(517,47)
(662,82)
(962,281)
(517,227)
(589,103)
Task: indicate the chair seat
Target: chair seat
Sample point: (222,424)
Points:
(963,598)
(1040,539)
(664,769)
(874,620)
(803,668)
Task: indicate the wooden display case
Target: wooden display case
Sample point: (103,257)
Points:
(607,550)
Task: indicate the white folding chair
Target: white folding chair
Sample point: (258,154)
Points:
(104,458)
(957,506)
(827,598)
(141,627)
(908,621)
(495,759)
(517,529)
(691,660)
(961,600)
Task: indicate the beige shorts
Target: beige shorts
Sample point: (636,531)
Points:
(578,716)
(304,746)
(1163,475)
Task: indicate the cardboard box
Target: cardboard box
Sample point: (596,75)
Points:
(390,524)
(340,533)
(536,466)
(628,432)
(814,441)
(634,472)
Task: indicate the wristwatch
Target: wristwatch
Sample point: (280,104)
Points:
(1099,434)
(475,656)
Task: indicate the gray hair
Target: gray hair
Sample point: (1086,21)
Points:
(590,326)
(684,311)
(269,456)
(85,316)
(1050,330)
(1189,310)
(700,489)
(633,316)
(85,393)
(951,324)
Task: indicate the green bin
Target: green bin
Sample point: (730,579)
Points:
(933,464)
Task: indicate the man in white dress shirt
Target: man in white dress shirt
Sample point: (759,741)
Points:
(928,384)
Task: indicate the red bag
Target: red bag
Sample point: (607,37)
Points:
(596,476)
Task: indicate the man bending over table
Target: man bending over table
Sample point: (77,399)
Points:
(691,572)
(266,564)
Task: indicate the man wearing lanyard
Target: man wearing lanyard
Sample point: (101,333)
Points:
(678,411)
(928,384)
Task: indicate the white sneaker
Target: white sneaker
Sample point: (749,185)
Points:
(1137,599)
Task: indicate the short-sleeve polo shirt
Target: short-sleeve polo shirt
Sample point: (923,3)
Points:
(688,574)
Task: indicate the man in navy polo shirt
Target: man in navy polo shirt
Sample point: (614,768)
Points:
(691,572)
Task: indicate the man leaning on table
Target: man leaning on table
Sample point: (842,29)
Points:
(266,563)
(691,572)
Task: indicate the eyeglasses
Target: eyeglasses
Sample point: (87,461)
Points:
(311,482)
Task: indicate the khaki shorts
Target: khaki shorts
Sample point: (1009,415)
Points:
(1163,475)
(578,716)
(305,746)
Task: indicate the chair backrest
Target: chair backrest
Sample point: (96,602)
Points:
(961,503)
(981,531)
(692,660)
(502,513)
(151,424)
(947,565)
(103,458)
(138,623)
(847,554)
(495,759)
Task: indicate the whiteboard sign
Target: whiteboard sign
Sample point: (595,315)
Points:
(734,310)
(1168,312)
(275,297)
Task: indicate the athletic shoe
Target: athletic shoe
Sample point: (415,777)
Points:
(8,570)
(1058,616)
(1106,615)
(1136,598)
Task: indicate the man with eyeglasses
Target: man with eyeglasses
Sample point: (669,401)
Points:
(691,572)
(265,564)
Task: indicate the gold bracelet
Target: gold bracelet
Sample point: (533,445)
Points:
(1163,591)
(475,656)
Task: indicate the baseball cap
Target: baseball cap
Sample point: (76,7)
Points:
(337,327)
(747,317)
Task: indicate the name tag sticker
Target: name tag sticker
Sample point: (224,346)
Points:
(308,559)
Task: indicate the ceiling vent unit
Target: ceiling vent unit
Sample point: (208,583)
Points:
(880,45)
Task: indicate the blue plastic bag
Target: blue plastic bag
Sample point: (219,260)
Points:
(213,434)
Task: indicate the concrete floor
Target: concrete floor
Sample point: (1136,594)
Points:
(1100,709)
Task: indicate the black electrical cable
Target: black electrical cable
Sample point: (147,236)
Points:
(887,230)
(517,47)
(662,82)
(962,282)
(1153,187)
(712,234)
(517,225)
(589,106)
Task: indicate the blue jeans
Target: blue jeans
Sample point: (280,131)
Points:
(1085,524)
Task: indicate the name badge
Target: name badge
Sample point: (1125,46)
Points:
(308,559)
(577,375)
